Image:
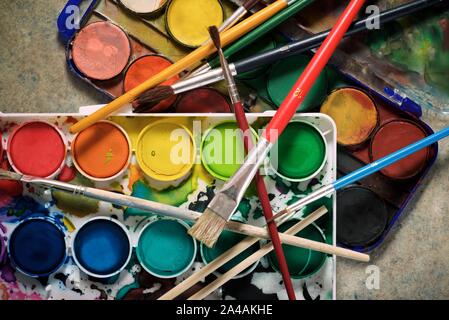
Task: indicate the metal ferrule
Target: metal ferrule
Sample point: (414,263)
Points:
(198,81)
(201,70)
(236,16)
(316,195)
(232,87)
(236,187)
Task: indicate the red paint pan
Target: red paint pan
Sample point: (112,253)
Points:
(143,69)
(393,136)
(37,149)
(203,100)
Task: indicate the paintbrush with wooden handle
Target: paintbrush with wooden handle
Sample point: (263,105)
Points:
(179,213)
(260,184)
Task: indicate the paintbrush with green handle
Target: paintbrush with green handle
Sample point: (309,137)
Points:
(179,213)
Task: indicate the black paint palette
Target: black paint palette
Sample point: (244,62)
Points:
(390,195)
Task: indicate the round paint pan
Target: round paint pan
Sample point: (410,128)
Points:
(37,149)
(144,68)
(361,216)
(284,75)
(297,258)
(165,152)
(222,149)
(354,113)
(316,259)
(102,152)
(226,241)
(101,50)
(202,100)
(165,249)
(393,136)
(300,153)
(37,247)
(145,8)
(187,20)
(102,248)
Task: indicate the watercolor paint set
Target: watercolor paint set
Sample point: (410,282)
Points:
(147,46)
(75,247)
(132,205)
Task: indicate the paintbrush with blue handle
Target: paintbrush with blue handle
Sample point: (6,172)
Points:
(365,171)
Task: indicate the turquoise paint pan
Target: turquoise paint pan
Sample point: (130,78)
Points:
(165,249)
(102,247)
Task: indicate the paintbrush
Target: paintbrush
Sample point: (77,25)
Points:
(231,254)
(260,184)
(251,37)
(212,222)
(195,56)
(365,171)
(152,97)
(237,14)
(179,213)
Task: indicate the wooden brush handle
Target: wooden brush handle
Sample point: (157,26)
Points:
(298,242)
(305,82)
(228,256)
(256,256)
(202,52)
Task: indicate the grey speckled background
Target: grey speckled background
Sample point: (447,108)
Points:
(414,264)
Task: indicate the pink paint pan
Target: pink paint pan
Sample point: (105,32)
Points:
(101,50)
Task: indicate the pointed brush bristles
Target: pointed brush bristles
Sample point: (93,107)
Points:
(208,228)
(215,36)
(149,99)
(9,175)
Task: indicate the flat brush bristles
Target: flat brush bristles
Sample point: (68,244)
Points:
(208,228)
(215,36)
(9,175)
(152,97)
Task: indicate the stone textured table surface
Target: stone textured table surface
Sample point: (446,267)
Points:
(414,264)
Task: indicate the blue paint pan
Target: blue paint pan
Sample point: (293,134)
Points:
(102,247)
(37,247)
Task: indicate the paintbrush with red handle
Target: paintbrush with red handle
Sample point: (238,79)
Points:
(212,222)
(260,184)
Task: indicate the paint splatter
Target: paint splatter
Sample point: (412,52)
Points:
(20,208)
(77,205)
(173,196)
(244,208)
